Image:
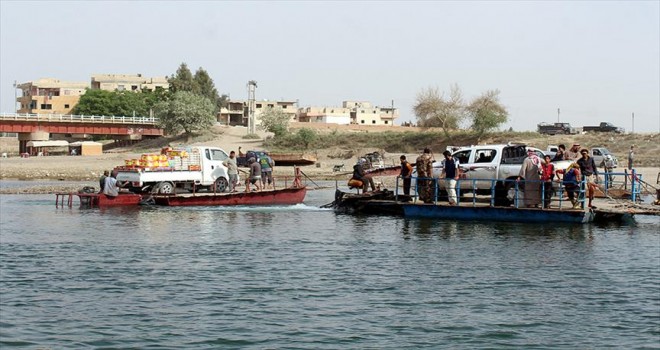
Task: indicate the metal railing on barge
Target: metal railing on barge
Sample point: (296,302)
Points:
(633,180)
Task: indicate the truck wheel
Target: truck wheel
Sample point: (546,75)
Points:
(221,184)
(166,188)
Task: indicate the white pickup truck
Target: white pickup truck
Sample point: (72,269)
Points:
(492,162)
(201,168)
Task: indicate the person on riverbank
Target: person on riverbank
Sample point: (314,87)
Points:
(255,175)
(589,170)
(529,173)
(425,179)
(406,172)
(102,180)
(267,165)
(631,157)
(451,173)
(547,174)
(232,171)
(360,174)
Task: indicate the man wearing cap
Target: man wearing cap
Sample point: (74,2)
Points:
(267,165)
(255,175)
(573,153)
(590,172)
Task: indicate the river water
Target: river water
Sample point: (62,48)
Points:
(305,277)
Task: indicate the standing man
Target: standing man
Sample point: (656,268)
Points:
(548,173)
(529,172)
(589,171)
(571,179)
(232,171)
(102,180)
(631,157)
(255,175)
(573,153)
(406,172)
(451,171)
(267,165)
(425,176)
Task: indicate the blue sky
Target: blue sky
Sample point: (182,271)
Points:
(596,61)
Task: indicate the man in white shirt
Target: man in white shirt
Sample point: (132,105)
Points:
(451,173)
(111,189)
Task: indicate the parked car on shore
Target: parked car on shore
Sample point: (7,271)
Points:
(603,127)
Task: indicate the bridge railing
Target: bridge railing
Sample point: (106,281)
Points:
(70,118)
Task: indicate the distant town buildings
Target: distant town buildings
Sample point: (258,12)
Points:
(132,82)
(350,112)
(53,96)
(50,96)
(236,112)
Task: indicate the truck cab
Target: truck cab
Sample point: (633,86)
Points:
(488,163)
(603,158)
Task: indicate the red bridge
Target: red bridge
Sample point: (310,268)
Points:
(41,126)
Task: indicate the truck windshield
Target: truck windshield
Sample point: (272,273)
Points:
(216,154)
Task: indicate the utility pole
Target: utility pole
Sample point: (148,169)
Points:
(633,122)
(557,115)
(15,98)
(252,87)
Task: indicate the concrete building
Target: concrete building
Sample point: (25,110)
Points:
(49,96)
(130,82)
(236,112)
(350,112)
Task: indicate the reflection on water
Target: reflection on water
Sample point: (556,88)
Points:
(301,276)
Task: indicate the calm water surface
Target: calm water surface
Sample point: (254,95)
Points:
(304,277)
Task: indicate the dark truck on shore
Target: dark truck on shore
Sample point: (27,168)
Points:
(603,127)
(557,128)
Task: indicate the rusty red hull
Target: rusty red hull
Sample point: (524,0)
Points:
(98,199)
(287,196)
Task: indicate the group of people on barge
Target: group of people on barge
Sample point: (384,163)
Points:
(536,174)
(539,174)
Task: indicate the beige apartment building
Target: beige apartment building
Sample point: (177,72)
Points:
(236,112)
(129,82)
(350,112)
(50,96)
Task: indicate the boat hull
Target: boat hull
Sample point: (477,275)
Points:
(504,214)
(287,196)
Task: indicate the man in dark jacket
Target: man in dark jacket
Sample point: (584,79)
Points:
(360,174)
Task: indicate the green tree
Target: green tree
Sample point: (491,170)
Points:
(186,112)
(274,120)
(306,136)
(434,109)
(95,102)
(182,80)
(487,112)
(204,85)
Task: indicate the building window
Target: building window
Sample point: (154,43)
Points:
(66,106)
(373,122)
(134,87)
(362,121)
(46,106)
(386,122)
(284,106)
(271,106)
(362,111)
(258,105)
(33,104)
